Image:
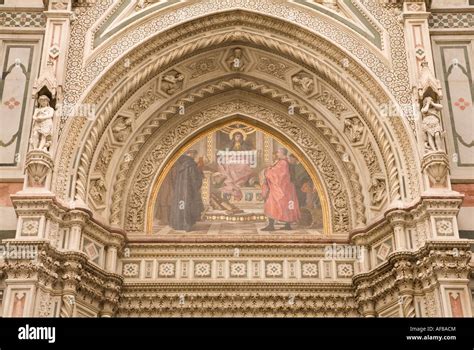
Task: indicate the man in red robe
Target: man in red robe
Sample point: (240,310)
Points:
(281,201)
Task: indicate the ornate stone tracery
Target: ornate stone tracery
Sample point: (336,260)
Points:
(171,110)
(135,219)
(316,83)
(232,83)
(243,36)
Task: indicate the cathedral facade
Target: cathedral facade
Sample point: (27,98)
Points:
(236,158)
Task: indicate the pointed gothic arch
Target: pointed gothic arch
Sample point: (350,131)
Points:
(257,125)
(385,132)
(328,79)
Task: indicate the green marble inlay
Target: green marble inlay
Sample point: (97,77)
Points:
(468,234)
(27,72)
(370,34)
(446,74)
(374,36)
(99,38)
(7,234)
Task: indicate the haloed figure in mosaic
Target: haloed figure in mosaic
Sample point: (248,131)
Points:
(235,172)
(281,201)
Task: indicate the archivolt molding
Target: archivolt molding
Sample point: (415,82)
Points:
(330,76)
(229,83)
(314,24)
(408,157)
(142,16)
(338,80)
(168,141)
(67,150)
(203,28)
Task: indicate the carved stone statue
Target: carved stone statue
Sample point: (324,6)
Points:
(304,83)
(121,128)
(236,60)
(377,191)
(354,129)
(42,125)
(172,82)
(98,190)
(431,124)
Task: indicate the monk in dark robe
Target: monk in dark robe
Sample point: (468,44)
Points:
(281,201)
(301,179)
(186,201)
(165,194)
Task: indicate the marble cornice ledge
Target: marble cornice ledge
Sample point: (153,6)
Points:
(26,203)
(66,272)
(237,287)
(48,253)
(417,258)
(376,229)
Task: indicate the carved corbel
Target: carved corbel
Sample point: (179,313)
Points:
(364,296)
(39,166)
(71,277)
(404,271)
(435,166)
(111,298)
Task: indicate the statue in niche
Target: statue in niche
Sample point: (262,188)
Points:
(236,60)
(42,125)
(431,124)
